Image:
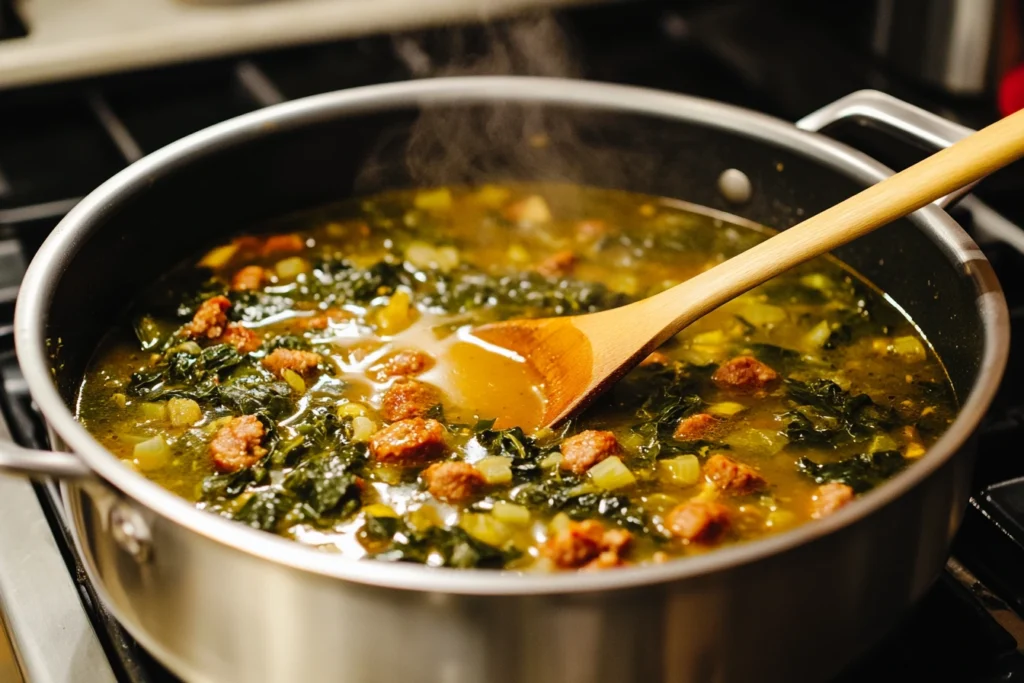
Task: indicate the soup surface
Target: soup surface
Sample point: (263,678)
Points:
(320,380)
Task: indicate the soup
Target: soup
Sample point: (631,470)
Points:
(319,379)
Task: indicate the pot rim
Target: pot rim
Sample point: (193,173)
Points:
(62,244)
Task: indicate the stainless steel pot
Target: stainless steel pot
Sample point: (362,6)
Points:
(216,601)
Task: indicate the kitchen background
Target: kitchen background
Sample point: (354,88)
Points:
(88,86)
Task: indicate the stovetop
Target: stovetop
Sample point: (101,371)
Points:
(59,141)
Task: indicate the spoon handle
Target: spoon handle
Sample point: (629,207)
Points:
(955,167)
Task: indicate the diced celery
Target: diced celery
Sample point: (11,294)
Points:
(396,315)
(660,503)
(495,468)
(154,411)
(725,409)
(511,514)
(780,519)
(424,517)
(909,349)
(421,254)
(533,209)
(551,461)
(120,400)
(559,522)
(362,429)
(183,412)
(611,474)
(492,196)
(291,267)
(818,281)
(447,258)
(683,470)
(351,409)
(819,335)
(517,253)
(883,442)
(762,315)
(914,450)
(380,510)
(439,199)
(218,256)
(757,441)
(485,528)
(152,454)
(712,338)
(294,380)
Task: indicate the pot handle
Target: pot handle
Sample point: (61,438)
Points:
(15,459)
(871,107)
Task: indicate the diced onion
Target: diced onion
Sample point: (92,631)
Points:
(757,441)
(424,517)
(154,411)
(495,469)
(380,510)
(818,281)
(511,514)
(291,267)
(680,471)
(218,256)
(152,454)
(762,315)
(713,337)
(552,461)
(909,349)
(491,196)
(396,315)
(485,528)
(559,522)
(362,429)
(611,474)
(120,400)
(914,450)
(819,335)
(351,409)
(183,412)
(533,209)
(433,200)
(883,442)
(726,409)
(294,380)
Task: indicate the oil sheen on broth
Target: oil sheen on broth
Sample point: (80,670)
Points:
(318,379)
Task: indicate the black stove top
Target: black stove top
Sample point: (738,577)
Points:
(58,142)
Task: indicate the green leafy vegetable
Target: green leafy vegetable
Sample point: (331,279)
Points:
(828,416)
(861,472)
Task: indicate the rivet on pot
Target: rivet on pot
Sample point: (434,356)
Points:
(735,186)
(130,531)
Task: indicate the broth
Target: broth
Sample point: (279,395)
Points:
(320,380)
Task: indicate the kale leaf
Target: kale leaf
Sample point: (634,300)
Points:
(184,374)
(828,416)
(512,443)
(455,547)
(861,472)
(565,495)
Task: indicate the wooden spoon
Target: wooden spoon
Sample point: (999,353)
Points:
(579,357)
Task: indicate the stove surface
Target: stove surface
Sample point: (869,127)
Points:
(60,141)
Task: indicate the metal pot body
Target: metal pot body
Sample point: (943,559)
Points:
(219,602)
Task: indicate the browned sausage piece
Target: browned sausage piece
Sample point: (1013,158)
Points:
(276,244)
(250,277)
(236,445)
(731,476)
(586,449)
(408,443)
(408,398)
(453,482)
(828,498)
(405,363)
(695,427)
(559,264)
(210,319)
(586,544)
(698,521)
(302,362)
(241,337)
(744,373)
(321,320)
